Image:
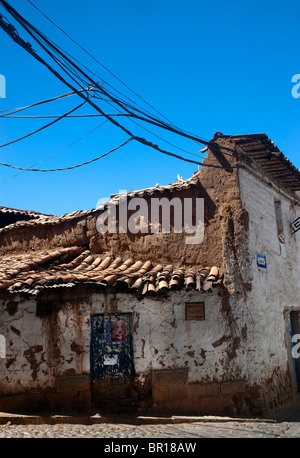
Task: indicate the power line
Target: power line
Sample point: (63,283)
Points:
(57,116)
(58,97)
(96,60)
(152,133)
(152,145)
(22,43)
(43,127)
(38,36)
(35,34)
(142,140)
(67,168)
(57,152)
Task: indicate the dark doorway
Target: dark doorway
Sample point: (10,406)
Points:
(111,359)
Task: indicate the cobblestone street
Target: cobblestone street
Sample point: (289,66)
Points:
(196,430)
(284,423)
(214,429)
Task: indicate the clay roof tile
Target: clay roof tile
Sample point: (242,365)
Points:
(35,271)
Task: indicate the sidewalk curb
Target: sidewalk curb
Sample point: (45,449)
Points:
(16,419)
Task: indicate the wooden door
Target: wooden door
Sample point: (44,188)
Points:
(111,358)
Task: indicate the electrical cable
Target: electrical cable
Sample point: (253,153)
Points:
(142,140)
(41,60)
(152,145)
(102,65)
(33,32)
(54,154)
(57,116)
(43,127)
(152,133)
(11,32)
(17,110)
(67,168)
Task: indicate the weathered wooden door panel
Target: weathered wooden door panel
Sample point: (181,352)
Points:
(111,358)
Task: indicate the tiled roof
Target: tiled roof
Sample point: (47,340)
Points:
(38,219)
(44,220)
(17,211)
(11,216)
(267,155)
(32,272)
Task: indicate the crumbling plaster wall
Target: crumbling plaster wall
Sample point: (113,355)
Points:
(162,337)
(40,349)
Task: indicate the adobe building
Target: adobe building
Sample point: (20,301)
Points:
(146,320)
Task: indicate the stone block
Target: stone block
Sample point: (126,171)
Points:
(210,406)
(160,393)
(179,392)
(73,383)
(69,401)
(205,390)
(232,387)
(169,376)
(175,407)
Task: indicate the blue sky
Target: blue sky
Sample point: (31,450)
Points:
(206,66)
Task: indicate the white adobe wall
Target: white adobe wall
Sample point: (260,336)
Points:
(24,363)
(164,339)
(275,290)
(38,351)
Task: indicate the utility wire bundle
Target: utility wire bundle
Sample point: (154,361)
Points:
(81,81)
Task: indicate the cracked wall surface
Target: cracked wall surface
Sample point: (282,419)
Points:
(171,354)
